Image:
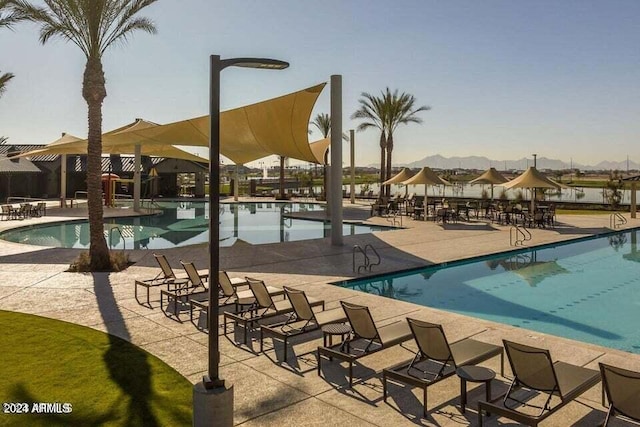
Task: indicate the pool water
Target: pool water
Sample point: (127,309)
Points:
(186,223)
(587,290)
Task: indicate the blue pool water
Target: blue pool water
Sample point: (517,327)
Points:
(588,290)
(186,223)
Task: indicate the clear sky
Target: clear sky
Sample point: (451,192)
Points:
(503,78)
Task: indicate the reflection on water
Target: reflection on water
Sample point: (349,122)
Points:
(587,290)
(186,223)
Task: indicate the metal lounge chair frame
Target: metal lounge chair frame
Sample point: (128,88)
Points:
(228,295)
(533,369)
(165,277)
(622,388)
(197,291)
(305,320)
(364,327)
(265,308)
(434,346)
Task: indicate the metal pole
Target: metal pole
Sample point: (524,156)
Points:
(336,160)
(137,163)
(352,139)
(213,380)
(236,184)
(63,180)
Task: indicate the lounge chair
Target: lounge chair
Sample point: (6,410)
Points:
(264,308)
(364,328)
(434,350)
(165,277)
(228,295)
(533,369)
(304,321)
(196,291)
(168,271)
(622,388)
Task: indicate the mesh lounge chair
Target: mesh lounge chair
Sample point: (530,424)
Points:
(364,328)
(622,388)
(228,295)
(533,369)
(196,291)
(168,271)
(165,277)
(265,308)
(304,321)
(434,349)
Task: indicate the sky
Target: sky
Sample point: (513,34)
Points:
(503,78)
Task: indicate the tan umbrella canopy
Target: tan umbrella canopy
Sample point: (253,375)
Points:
(427,177)
(400,177)
(532,178)
(490,176)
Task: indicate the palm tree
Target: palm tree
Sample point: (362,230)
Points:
(7,18)
(323,123)
(401,110)
(374,111)
(4,79)
(93,26)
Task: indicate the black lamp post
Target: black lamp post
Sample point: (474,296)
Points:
(213,380)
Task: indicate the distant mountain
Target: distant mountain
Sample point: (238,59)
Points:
(477,162)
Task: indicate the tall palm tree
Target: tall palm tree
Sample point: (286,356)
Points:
(4,79)
(93,26)
(7,18)
(323,122)
(401,110)
(374,111)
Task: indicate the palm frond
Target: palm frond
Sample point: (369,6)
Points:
(4,79)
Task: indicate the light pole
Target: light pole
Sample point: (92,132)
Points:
(212,380)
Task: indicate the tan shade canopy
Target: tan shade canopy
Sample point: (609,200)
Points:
(531,178)
(69,144)
(319,148)
(401,176)
(490,176)
(276,126)
(426,176)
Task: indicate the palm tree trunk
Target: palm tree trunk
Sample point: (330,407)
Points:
(389,151)
(383,146)
(94,92)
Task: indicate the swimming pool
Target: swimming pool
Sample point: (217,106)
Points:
(186,223)
(587,290)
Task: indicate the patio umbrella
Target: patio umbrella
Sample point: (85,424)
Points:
(532,178)
(427,177)
(399,178)
(490,176)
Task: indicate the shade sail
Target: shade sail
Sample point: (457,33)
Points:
(401,176)
(69,144)
(319,148)
(490,176)
(426,176)
(276,126)
(531,178)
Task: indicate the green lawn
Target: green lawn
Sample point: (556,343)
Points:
(107,380)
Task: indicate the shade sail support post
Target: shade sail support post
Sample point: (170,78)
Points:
(352,187)
(634,188)
(136,177)
(63,181)
(335,192)
(236,184)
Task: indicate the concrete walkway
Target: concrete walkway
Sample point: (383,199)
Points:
(270,392)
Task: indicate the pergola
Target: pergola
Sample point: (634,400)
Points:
(278,126)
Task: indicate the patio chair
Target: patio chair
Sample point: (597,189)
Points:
(168,271)
(364,328)
(622,388)
(166,277)
(183,295)
(304,321)
(264,308)
(228,295)
(533,370)
(434,350)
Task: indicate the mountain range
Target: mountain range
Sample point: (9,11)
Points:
(481,163)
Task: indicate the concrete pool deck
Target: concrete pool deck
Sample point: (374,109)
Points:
(269,392)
